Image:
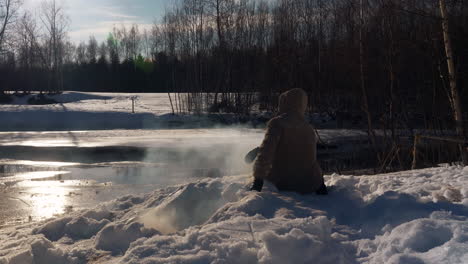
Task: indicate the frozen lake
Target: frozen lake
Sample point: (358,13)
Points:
(43,174)
(47,173)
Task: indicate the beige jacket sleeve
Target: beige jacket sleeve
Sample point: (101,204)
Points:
(267,151)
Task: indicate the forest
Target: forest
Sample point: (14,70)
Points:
(381,62)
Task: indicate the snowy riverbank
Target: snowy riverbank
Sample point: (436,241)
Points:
(407,217)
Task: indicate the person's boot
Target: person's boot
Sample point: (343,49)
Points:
(257,185)
(322,190)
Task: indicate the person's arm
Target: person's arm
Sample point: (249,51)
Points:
(252,155)
(267,150)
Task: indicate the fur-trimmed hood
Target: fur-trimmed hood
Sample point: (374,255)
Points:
(293,101)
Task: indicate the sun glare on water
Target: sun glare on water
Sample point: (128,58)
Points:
(48,198)
(44,193)
(43,143)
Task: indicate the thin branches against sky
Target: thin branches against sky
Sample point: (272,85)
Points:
(98,17)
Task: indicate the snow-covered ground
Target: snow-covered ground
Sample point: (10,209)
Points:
(82,110)
(77,110)
(409,217)
(155,103)
(85,110)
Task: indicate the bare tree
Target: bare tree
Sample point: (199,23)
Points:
(134,42)
(113,48)
(92,50)
(455,97)
(55,23)
(129,40)
(80,53)
(26,41)
(102,52)
(27,48)
(156,40)
(8,13)
(68,52)
(146,43)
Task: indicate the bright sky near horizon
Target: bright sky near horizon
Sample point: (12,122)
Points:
(98,17)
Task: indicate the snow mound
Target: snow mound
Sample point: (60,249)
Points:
(407,217)
(441,238)
(176,213)
(117,237)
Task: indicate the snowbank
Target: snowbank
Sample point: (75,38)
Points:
(408,217)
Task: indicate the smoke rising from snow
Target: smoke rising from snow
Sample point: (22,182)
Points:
(216,154)
(213,153)
(191,205)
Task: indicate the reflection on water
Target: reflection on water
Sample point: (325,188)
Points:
(41,163)
(35,175)
(29,192)
(14,167)
(140,138)
(32,191)
(48,198)
(43,143)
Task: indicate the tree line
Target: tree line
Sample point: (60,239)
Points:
(383,58)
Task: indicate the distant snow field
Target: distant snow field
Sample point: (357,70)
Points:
(70,101)
(84,110)
(410,217)
(79,110)
(87,110)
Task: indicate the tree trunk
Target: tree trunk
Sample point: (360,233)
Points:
(5,22)
(455,97)
(365,97)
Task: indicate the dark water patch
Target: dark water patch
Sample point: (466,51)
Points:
(73,154)
(66,120)
(9,169)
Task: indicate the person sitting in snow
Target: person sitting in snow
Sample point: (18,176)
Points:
(288,154)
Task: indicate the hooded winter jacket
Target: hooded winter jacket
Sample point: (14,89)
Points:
(288,154)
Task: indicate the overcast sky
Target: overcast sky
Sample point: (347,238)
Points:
(97,17)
